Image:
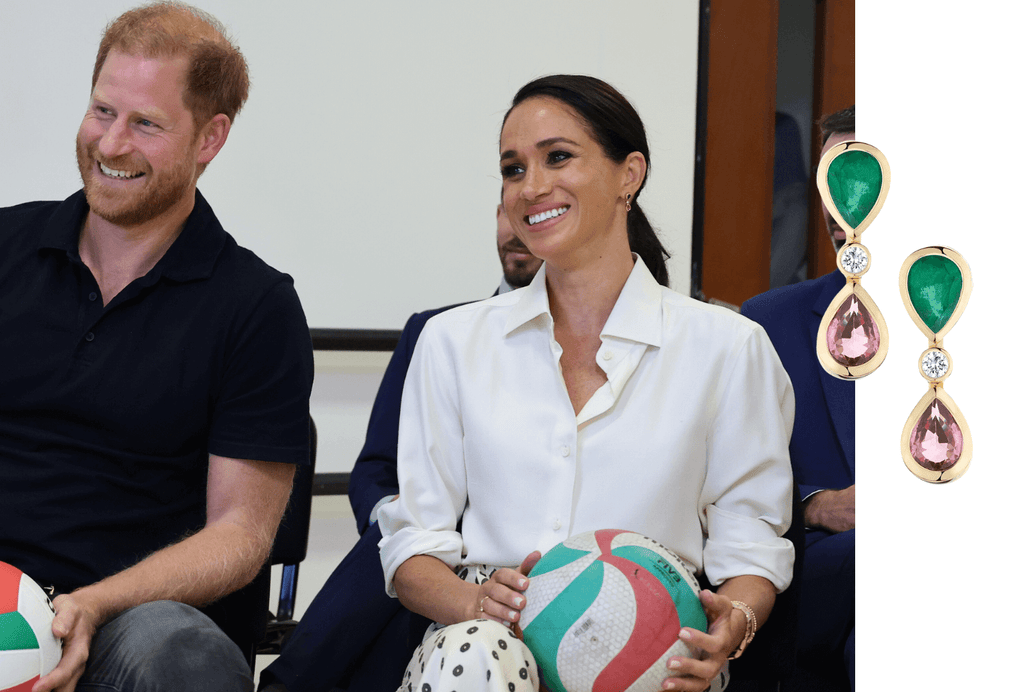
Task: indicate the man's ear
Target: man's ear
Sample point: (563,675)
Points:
(212,137)
(635,172)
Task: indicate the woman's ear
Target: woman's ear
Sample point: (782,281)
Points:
(635,172)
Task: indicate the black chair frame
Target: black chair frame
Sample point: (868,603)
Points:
(290,547)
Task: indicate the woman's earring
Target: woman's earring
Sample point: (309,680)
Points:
(853,179)
(628,196)
(935,283)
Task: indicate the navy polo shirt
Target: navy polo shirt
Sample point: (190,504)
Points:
(108,413)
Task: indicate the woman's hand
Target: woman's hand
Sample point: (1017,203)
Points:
(726,630)
(501,598)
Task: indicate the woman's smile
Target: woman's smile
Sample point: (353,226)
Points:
(537,218)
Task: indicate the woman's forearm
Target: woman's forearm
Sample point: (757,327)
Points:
(427,586)
(756,592)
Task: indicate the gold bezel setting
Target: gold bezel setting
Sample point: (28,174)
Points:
(935,338)
(853,279)
(966,452)
(935,384)
(828,362)
(944,354)
(852,234)
(842,253)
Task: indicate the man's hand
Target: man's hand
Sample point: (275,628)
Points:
(75,622)
(245,501)
(832,510)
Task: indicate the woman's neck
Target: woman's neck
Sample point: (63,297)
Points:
(581,300)
(582,297)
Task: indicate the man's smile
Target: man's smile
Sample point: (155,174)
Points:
(112,173)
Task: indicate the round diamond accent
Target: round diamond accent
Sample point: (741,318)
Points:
(854,259)
(934,364)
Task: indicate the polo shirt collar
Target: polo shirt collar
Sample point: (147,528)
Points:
(194,253)
(636,315)
(63,227)
(191,256)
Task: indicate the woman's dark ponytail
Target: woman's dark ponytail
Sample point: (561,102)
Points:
(644,241)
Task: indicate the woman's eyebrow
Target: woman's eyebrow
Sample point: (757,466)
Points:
(511,153)
(555,140)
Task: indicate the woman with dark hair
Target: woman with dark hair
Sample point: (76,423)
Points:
(618,130)
(593,398)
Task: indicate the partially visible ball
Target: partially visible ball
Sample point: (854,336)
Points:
(28,649)
(604,610)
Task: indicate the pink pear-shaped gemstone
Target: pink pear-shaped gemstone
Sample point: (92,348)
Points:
(852,335)
(937,441)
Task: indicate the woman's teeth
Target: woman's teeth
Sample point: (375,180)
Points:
(545,215)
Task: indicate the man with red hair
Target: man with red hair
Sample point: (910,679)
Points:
(156,388)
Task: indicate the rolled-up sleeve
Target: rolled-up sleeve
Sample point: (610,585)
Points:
(431,464)
(747,496)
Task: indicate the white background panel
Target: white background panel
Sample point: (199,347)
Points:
(937,92)
(365,162)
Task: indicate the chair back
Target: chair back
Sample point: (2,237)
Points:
(292,539)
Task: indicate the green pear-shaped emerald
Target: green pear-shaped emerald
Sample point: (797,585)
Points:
(934,283)
(854,182)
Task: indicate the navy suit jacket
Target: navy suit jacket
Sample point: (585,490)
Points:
(822,446)
(375,474)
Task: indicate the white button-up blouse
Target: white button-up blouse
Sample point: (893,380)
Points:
(687,441)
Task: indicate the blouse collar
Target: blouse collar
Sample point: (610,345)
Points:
(636,315)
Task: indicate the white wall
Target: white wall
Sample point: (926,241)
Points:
(343,392)
(365,163)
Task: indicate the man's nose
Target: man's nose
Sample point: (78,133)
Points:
(116,140)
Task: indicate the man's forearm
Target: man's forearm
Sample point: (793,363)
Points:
(219,559)
(245,501)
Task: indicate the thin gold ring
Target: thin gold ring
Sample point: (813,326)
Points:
(481,608)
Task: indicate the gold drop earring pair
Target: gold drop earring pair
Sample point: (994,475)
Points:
(853,340)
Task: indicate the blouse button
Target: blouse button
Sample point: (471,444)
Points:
(564,450)
(90,336)
(557,524)
(608,355)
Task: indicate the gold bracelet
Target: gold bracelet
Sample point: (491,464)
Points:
(751,628)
